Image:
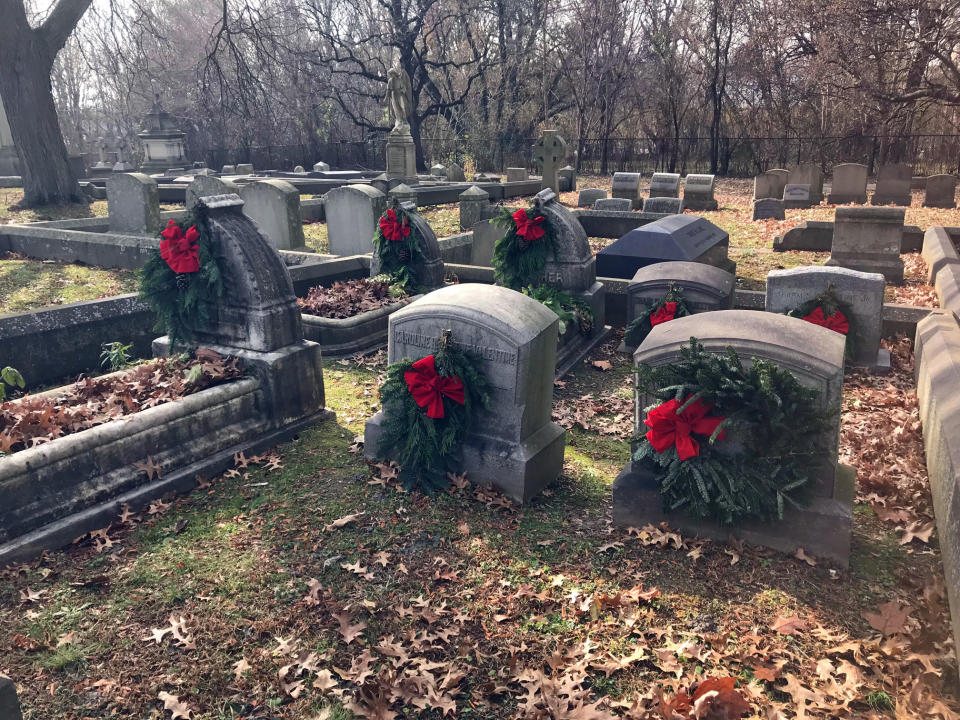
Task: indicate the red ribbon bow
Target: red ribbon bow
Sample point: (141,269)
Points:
(669,429)
(179,250)
(428,388)
(392,229)
(837,321)
(528,229)
(665,314)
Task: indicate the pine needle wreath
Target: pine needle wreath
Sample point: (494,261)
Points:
(400,255)
(428,448)
(568,308)
(518,262)
(640,326)
(757,459)
(832,314)
(183,302)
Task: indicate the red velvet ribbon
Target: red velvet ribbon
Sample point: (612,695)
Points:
(669,429)
(179,250)
(837,321)
(528,229)
(428,388)
(665,314)
(392,229)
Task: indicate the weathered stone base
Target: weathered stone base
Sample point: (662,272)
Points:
(890,267)
(574,346)
(361,333)
(822,528)
(520,470)
(901,200)
(838,199)
(693,203)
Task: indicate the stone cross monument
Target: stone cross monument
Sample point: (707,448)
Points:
(550,151)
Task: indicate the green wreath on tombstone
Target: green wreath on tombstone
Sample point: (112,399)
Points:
(183,281)
(671,306)
(728,442)
(827,311)
(430,406)
(398,245)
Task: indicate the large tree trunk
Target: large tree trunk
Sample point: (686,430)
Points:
(26,58)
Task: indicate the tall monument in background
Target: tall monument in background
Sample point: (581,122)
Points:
(9,160)
(401,153)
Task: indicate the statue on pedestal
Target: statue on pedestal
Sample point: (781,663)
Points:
(399,99)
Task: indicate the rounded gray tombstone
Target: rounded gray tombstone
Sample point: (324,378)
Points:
(208,186)
(133,204)
(588,196)
(514,445)
(353,213)
(274,205)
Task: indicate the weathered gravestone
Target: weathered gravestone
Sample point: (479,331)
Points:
(665,185)
(616,204)
(868,239)
(685,237)
(808,174)
(848,184)
(353,213)
(429,269)
(893,185)
(763,185)
(274,205)
(941,191)
(299,169)
(244,169)
(438,171)
(517,174)
(9,704)
(133,204)
(486,233)
(208,186)
(549,152)
(588,196)
(487,177)
(627,185)
(403,193)
(663,205)
(796,196)
(228,170)
(705,288)
(455,173)
(779,180)
(514,445)
(567,177)
(321,167)
(474,206)
(814,355)
(768,209)
(861,293)
(698,192)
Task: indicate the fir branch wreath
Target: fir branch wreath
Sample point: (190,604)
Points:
(430,406)
(827,311)
(398,245)
(183,281)
(520,256)
(568,308)
(671,306)
(728,442)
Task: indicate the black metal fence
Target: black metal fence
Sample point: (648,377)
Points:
(738,156)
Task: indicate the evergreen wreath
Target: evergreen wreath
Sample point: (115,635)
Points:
(827,311)
(183,281)
(520,256)
(671,306)
(397,244)
(429,407)
(568,308)
(727,442)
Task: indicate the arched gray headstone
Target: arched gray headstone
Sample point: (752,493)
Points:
(274,204)
(429,273)
(352,214)
(133,204)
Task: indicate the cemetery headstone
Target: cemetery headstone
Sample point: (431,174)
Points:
(588,196)
(403,193)
(455,173)
(514,445)
(516,174)
(549,152)
(868,239)
(299,169)
(228,170)
(848,184)
(763,185)
(860,293)
(698,192)
(815,356)
(353,213)
(474,206)
(208,186)
(796,196)
(133,204)
(893,185)
(779,180)
(486,233)
(438,171)
(705,288)
(9,704)
(429,268)
(663,205)
(244,169)
(274,205)
(320,167)
(381,182)
(487,177)
(567,177)
(615,204)
(768,208)
(627,185)
(688,238)
(665,185)
(808,174)
(941,191)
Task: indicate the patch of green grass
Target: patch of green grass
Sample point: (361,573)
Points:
(317,237)
(880,701)
(11,196)
(32,284)
(66,657)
